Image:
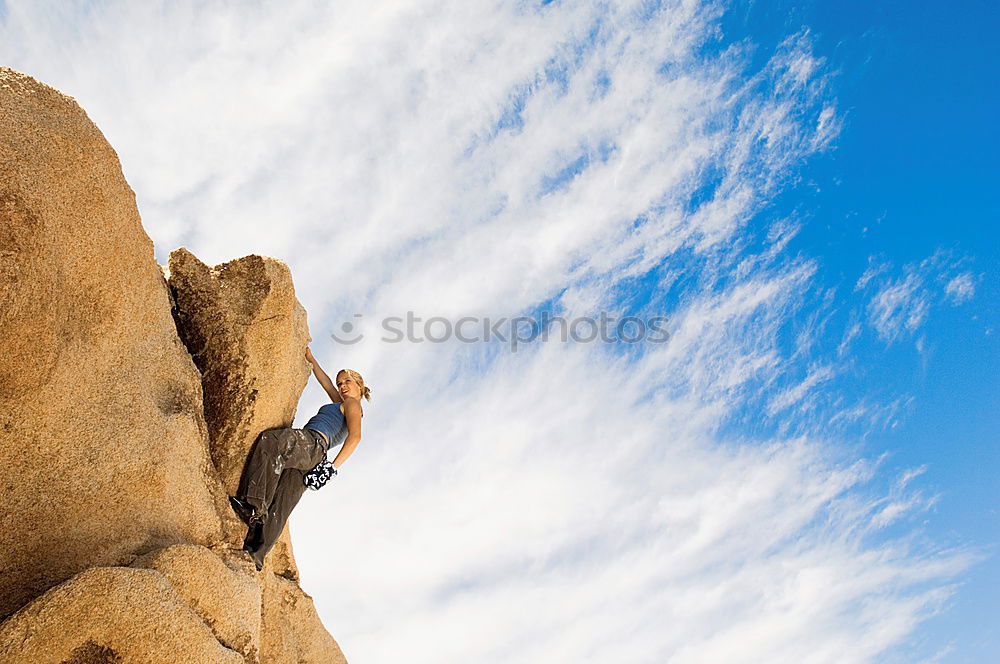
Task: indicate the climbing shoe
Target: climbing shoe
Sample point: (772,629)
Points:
(252,552)
(252,542)
(246,511)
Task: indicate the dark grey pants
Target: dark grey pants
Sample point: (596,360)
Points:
(272,479)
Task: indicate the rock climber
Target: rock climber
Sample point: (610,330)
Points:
(281,461)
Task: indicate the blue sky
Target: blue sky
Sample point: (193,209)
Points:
(805,190)
(912,173)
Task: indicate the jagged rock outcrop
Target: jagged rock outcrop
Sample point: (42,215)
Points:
(117,447)
(246,332)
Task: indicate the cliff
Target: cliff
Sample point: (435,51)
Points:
(130,394)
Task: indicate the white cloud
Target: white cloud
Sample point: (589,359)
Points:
(569,501)
(902,302)
(961,288)
(798,392)
(875,269)
(900,306)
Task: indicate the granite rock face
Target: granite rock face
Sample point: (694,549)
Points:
(130,396)
(247,333)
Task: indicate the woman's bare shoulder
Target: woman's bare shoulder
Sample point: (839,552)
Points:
(351,404)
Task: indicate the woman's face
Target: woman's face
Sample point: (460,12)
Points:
(347,387)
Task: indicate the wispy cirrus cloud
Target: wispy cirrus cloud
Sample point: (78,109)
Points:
(899,306)
(961,288)
(570,501)
(901,300)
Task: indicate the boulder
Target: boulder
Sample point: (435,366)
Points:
(103,436)
(112,615)
(130,395)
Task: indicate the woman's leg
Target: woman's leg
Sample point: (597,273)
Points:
(290,490)
(274,451)
(259,479)
(305,449)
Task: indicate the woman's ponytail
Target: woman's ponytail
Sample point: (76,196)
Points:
(366,392)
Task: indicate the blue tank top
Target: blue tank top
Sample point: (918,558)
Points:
(331,421)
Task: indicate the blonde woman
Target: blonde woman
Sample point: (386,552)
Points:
(273,479)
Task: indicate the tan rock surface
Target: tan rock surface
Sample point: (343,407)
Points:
(103,436)
(247,332)
(290,625)
(225,596)
(111,614)
(235,318)
(119,544)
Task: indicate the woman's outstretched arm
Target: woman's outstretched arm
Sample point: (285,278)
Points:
(323,379)
(352,413)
